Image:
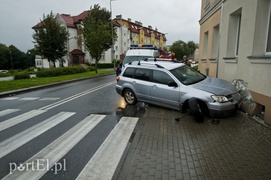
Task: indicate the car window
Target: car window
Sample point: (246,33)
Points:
(187,75)
(142,74)
(129,72)
(161,77)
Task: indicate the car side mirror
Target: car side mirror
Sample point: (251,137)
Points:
(172,84)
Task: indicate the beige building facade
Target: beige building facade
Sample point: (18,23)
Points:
(243,47)
(209,36)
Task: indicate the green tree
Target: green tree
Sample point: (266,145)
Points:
(190,48)
(29,59)
(181,48)
(17,58)
(51,38)
(4,57)
(96,32)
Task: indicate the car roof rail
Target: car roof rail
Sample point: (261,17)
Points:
(140,63)
(162,59)
(159,66)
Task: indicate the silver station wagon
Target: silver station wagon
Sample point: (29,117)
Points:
(178,86)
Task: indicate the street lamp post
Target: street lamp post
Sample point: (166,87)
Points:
(112,46)
(11,61)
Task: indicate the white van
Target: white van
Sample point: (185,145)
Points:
(136,53)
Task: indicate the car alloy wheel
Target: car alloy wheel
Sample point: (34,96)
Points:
(130,97)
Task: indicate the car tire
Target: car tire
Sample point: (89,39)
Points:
(196,110)
(129,97)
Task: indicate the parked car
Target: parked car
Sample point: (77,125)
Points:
(178,86)
(3,71)
(137,53)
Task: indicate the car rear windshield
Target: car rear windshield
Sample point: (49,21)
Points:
(187,75)
(135,58)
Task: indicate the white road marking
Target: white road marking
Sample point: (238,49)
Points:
(18,119)
(50,106)
(56,150)
(104,162)
(29,98)
(48,99)
(23,137)
(9,98)
(7,111)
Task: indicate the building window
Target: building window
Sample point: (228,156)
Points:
(234,34)
(124,43)
(215,42)
(116,48)
(38,63)
(268,43)
(205,45)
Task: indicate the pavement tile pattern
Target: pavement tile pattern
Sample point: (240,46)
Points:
(233,148)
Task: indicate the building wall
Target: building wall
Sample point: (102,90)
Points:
(251,63)
(209,44)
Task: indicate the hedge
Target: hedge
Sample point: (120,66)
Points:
(61,71)
(104,65)
(21,75)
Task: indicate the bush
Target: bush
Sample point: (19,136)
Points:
(61,71)
(91,68)
(21,75)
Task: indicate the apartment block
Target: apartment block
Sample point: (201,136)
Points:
(235,43)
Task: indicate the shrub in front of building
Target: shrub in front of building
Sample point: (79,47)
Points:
(61,71)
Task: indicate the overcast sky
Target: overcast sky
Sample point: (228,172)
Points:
(178,19)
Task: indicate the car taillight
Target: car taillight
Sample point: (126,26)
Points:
(117,79)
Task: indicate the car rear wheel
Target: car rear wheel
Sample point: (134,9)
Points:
(196,110)
(129,96)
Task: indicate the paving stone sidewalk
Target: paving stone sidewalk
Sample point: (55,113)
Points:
(236,148)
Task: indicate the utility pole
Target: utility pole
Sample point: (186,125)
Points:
(10,55)
(112,29)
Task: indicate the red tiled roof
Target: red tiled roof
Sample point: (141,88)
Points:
(70,21)
(135,28)
(116,23)
(80,17)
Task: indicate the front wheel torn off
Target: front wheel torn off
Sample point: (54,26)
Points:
(196,109)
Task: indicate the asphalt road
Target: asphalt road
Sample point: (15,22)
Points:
(31,122)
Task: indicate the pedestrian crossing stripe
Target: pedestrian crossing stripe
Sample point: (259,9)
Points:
(8,111)
(57,149)
(105,161)
(19,119)
(27,135)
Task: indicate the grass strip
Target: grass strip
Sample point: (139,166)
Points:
(26,83)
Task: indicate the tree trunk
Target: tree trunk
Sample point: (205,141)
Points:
(96,66)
